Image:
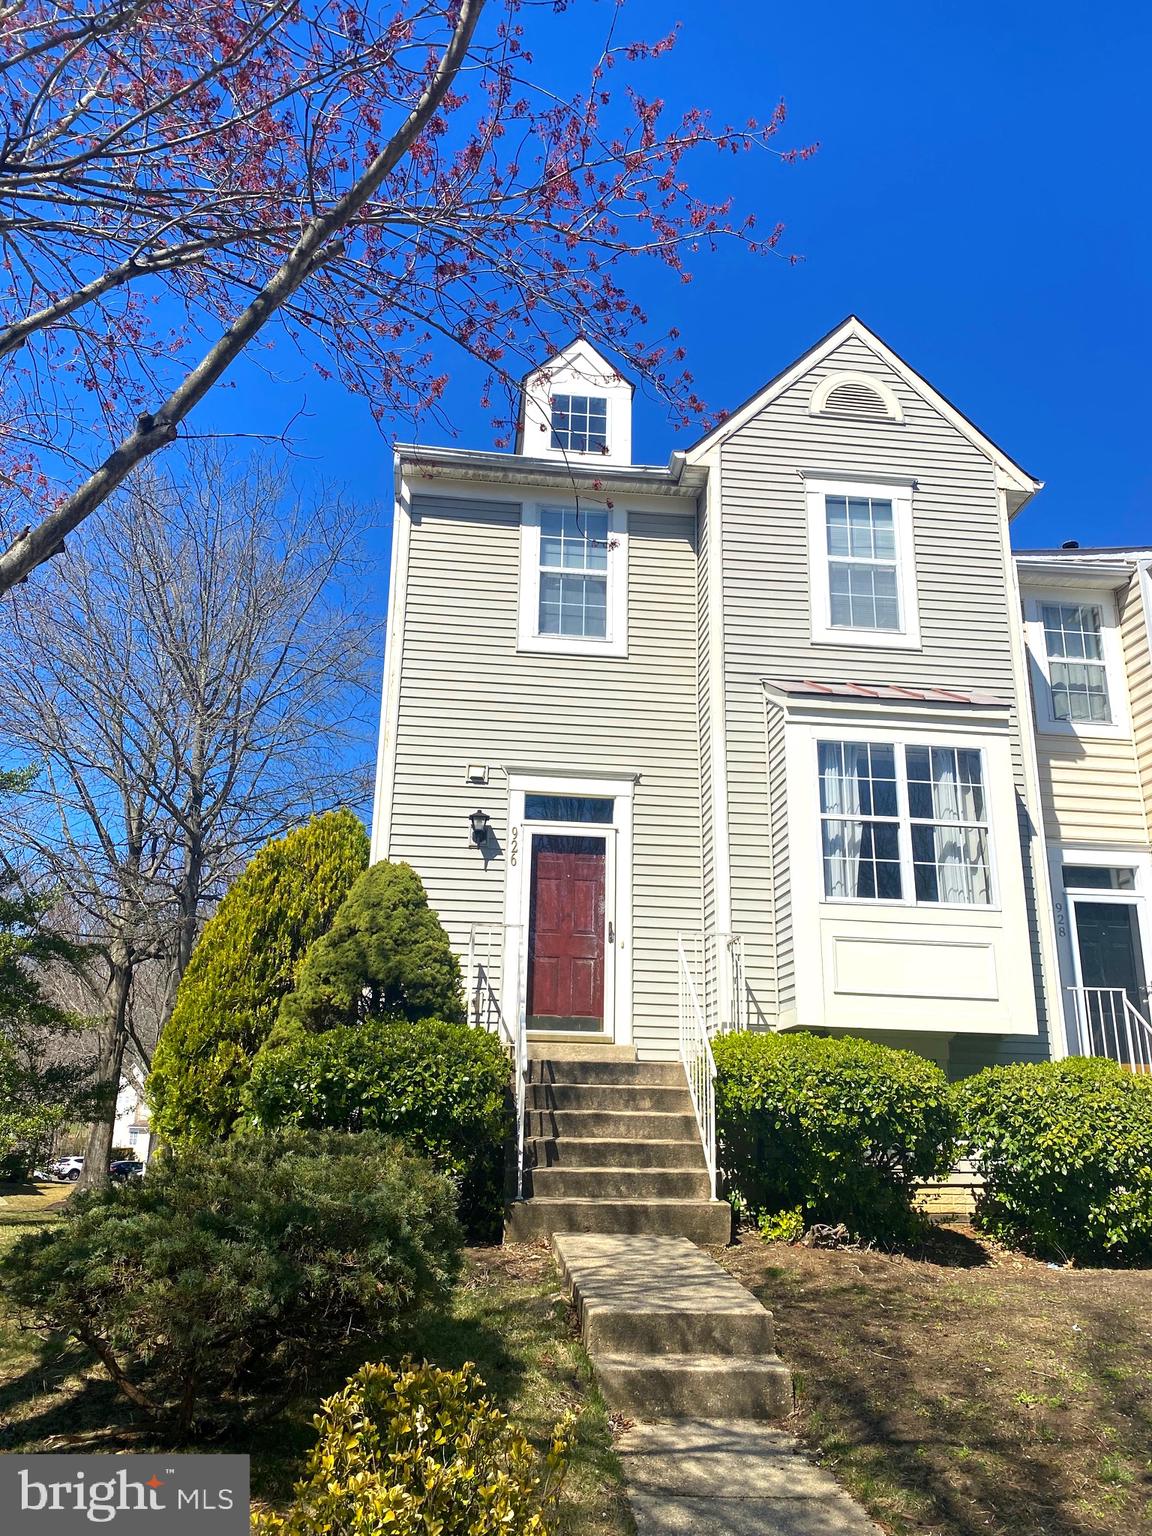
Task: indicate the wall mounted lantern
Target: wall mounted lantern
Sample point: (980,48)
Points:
(478,821)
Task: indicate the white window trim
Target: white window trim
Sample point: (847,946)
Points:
(1046,722)
(899,493)
(615,642)
(621,789)
(885,736)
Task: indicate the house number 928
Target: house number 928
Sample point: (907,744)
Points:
(514,848)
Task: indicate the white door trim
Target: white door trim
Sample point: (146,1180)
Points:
(617,896)
(1064,908)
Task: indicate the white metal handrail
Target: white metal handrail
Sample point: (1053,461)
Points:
(1110,1025)
(496,1008)
(716,963)
(699,1064)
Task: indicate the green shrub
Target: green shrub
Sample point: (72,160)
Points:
(242,967)
(1065,1148)
(385,957)
(840,1130)
(222,1281)
(443,1088)
(421,1452)
(781,1226)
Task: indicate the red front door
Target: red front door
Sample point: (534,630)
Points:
(566,933)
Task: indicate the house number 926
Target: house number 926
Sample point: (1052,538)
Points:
(514,848)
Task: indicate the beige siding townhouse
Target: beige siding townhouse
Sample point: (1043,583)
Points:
(1088,620)
(744,736)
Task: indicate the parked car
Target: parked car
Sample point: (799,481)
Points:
(126,1168)
(66,1170)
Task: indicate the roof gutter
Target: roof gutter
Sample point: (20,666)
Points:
(678,478)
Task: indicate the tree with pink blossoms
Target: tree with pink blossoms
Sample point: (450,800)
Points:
(370,180)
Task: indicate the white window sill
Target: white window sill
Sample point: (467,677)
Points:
(561,645)
(892,904)
(1066,731)
(858,639)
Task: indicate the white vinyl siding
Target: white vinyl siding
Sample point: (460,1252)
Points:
(769,468)
(467,695)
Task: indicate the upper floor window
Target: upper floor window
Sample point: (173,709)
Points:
(861,564)
(574,580)
(904,823)
(1077,671)
(573,573)
(862,573)
(580,423)
(1077,663)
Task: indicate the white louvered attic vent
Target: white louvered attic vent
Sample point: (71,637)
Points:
(855,400)
(855,396)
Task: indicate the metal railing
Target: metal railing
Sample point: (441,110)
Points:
(493,952)
(1111,1025)
(716,963)
(696,1056)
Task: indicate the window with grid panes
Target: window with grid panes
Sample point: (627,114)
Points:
(863,576)
(573,573)
(580,423)
(1077,672)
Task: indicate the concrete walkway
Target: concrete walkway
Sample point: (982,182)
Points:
(731,1477)
(685,1351)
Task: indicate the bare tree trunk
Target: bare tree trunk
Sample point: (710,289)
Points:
(110,1065)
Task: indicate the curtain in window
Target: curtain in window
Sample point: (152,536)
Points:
(842,764)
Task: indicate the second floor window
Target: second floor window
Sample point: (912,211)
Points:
(904,823)
(573,573)
(863,584)
(580,423)
(1077,671)
(861,562)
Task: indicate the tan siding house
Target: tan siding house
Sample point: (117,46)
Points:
(1086,618)
(749,732)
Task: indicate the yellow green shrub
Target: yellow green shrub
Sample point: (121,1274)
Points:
(421,1451)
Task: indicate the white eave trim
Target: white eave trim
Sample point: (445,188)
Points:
(1088,575)
(678,479)
(1014,479)
(838,706)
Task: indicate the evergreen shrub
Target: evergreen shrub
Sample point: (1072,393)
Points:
(222,1283)
(440,1086)
(840,1130)
(421,1451)
(384,956)
(244,964)
(1065,1149)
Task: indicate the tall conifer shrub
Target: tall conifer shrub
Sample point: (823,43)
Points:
(246,961)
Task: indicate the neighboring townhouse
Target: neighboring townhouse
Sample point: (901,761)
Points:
(1088,621)
(744,736)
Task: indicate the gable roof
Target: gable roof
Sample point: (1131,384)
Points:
(1017,480)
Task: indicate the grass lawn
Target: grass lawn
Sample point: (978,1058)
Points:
(508,1315)
(973,1391)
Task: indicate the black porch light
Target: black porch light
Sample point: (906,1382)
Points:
(478,821)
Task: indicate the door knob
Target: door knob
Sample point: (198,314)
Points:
(611,933)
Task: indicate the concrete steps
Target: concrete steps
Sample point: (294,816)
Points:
(611,1145)
(670,1333)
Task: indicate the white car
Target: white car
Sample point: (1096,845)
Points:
(66,1169)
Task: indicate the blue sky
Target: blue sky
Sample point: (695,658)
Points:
(980,199)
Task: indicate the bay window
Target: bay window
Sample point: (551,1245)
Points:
(905,823)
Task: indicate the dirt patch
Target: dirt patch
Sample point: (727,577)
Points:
(968,1390)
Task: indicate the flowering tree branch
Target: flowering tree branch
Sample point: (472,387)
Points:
(372,175)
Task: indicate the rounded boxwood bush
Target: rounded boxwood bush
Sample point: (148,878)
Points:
(840,1130)
(421,1451)
(219,1284)
(244,964)
(440,1086)
(1065,1149)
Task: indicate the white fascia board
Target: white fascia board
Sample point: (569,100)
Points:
(800,708)
(1016,479)
(1091,574)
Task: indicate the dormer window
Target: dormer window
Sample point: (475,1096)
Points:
(580,423)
